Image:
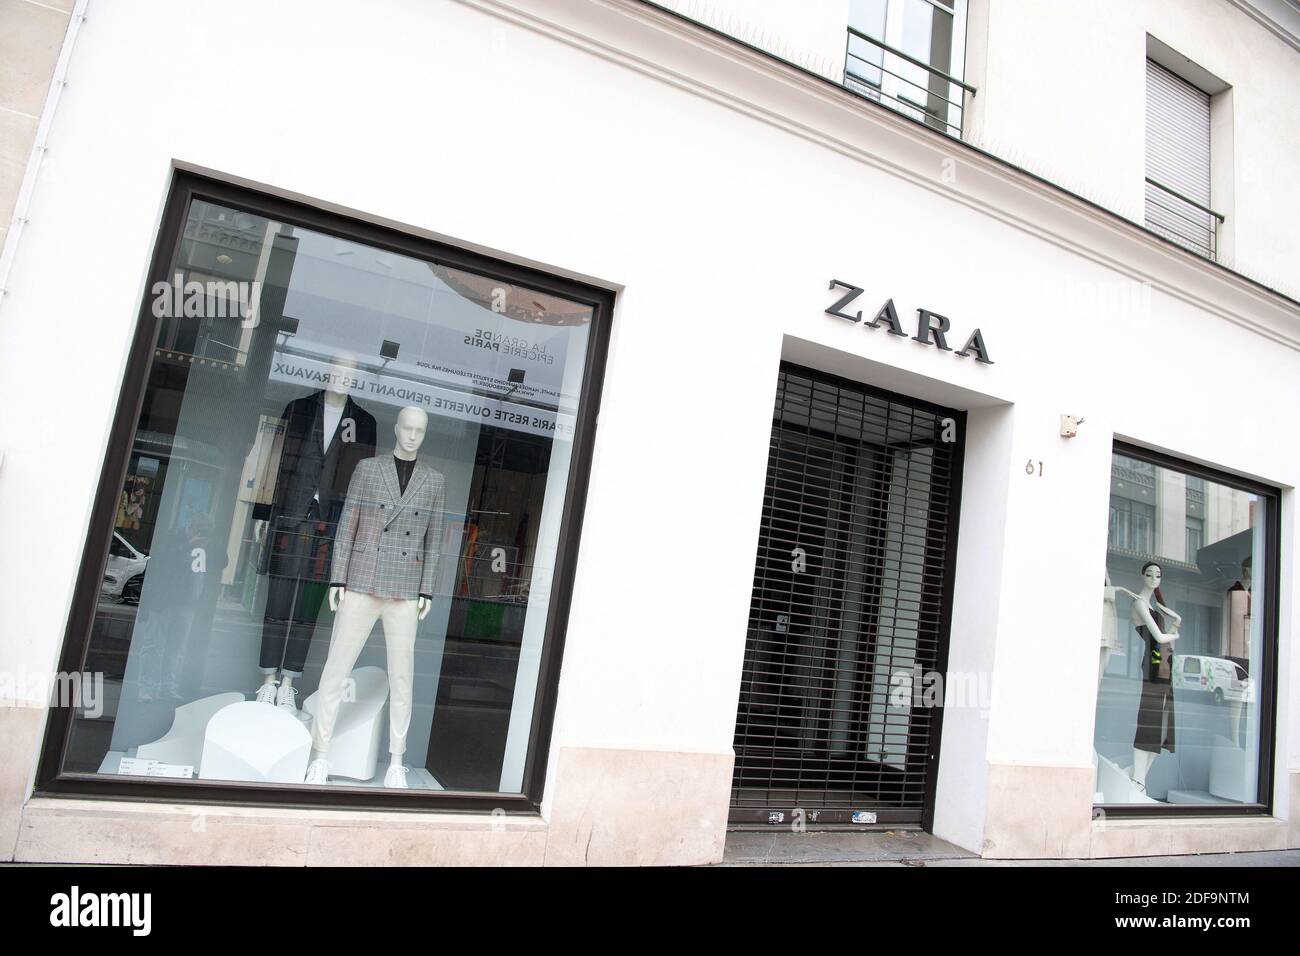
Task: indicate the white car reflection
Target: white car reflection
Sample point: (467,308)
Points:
(125,563)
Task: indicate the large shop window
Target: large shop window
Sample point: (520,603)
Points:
(332,549)
(1187,643)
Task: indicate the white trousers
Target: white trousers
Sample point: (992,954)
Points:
(356,617)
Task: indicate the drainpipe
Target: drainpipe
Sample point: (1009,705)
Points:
(57,83)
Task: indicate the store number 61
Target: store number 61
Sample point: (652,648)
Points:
(1030,469)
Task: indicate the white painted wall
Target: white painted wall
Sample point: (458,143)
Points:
(1062,94)
(721,229)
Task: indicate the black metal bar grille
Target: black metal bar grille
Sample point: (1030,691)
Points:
(848,595)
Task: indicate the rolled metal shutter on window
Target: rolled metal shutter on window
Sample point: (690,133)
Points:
(1178,157)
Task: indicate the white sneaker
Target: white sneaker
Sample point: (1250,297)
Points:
(284,699)
(266,693)
(318,771)
(396,777)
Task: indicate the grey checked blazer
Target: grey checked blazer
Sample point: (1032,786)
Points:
(387,543)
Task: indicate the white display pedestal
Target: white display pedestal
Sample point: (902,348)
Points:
(1231,772)
(183,743)
(1115,785)
(354,745)
(255,742)
(1199,797)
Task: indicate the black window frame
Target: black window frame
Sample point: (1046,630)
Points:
(1266,686)
(186,187)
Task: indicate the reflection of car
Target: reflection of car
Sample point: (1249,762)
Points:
(1221,678)
(131,589)
(125,566)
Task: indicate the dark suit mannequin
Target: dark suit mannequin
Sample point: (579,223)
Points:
(310,488)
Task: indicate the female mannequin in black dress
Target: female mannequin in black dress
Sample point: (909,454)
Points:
(1157,625)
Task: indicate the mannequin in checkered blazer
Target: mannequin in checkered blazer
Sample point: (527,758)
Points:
(385,559)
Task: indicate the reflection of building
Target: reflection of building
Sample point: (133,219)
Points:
(1171,519)
(220,249)
(1176,520)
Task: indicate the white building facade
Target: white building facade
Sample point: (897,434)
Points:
(787,376)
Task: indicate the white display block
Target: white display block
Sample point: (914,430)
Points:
(354,745)
(255,742)
(1116,785)
(1231,774)
(183,743)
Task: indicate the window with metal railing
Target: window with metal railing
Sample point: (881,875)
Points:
(909,55)
(1178,163)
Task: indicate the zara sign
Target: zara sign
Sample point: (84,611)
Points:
(931,328)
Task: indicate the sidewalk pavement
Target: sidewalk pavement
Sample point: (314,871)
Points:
(916,848)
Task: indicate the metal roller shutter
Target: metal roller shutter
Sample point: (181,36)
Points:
(851,587)
(1178,158)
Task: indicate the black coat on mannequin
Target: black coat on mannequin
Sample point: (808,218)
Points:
(310,489)
(312,484)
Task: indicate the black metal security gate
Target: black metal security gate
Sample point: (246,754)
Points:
(850,608)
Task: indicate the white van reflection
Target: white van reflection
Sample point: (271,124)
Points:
(1219,677)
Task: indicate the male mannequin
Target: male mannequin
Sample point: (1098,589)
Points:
(327,435)
(385,555)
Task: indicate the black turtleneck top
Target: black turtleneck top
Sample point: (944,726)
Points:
(404,471)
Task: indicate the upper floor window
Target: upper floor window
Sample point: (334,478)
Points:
(909,55)
(1178,162)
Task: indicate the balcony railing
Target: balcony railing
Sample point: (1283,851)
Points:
(878,71)
(1183,220)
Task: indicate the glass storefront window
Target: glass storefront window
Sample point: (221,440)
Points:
(334,552)
(1184,640)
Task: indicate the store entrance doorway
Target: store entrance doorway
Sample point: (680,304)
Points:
(849,618)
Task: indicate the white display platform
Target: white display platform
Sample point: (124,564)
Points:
(112,760)
(1193,797)
(1115,785)
(354,745)
(418,779)
(1231,773)
(183,743)
(255,742)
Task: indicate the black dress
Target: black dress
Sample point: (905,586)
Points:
(1156,705)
